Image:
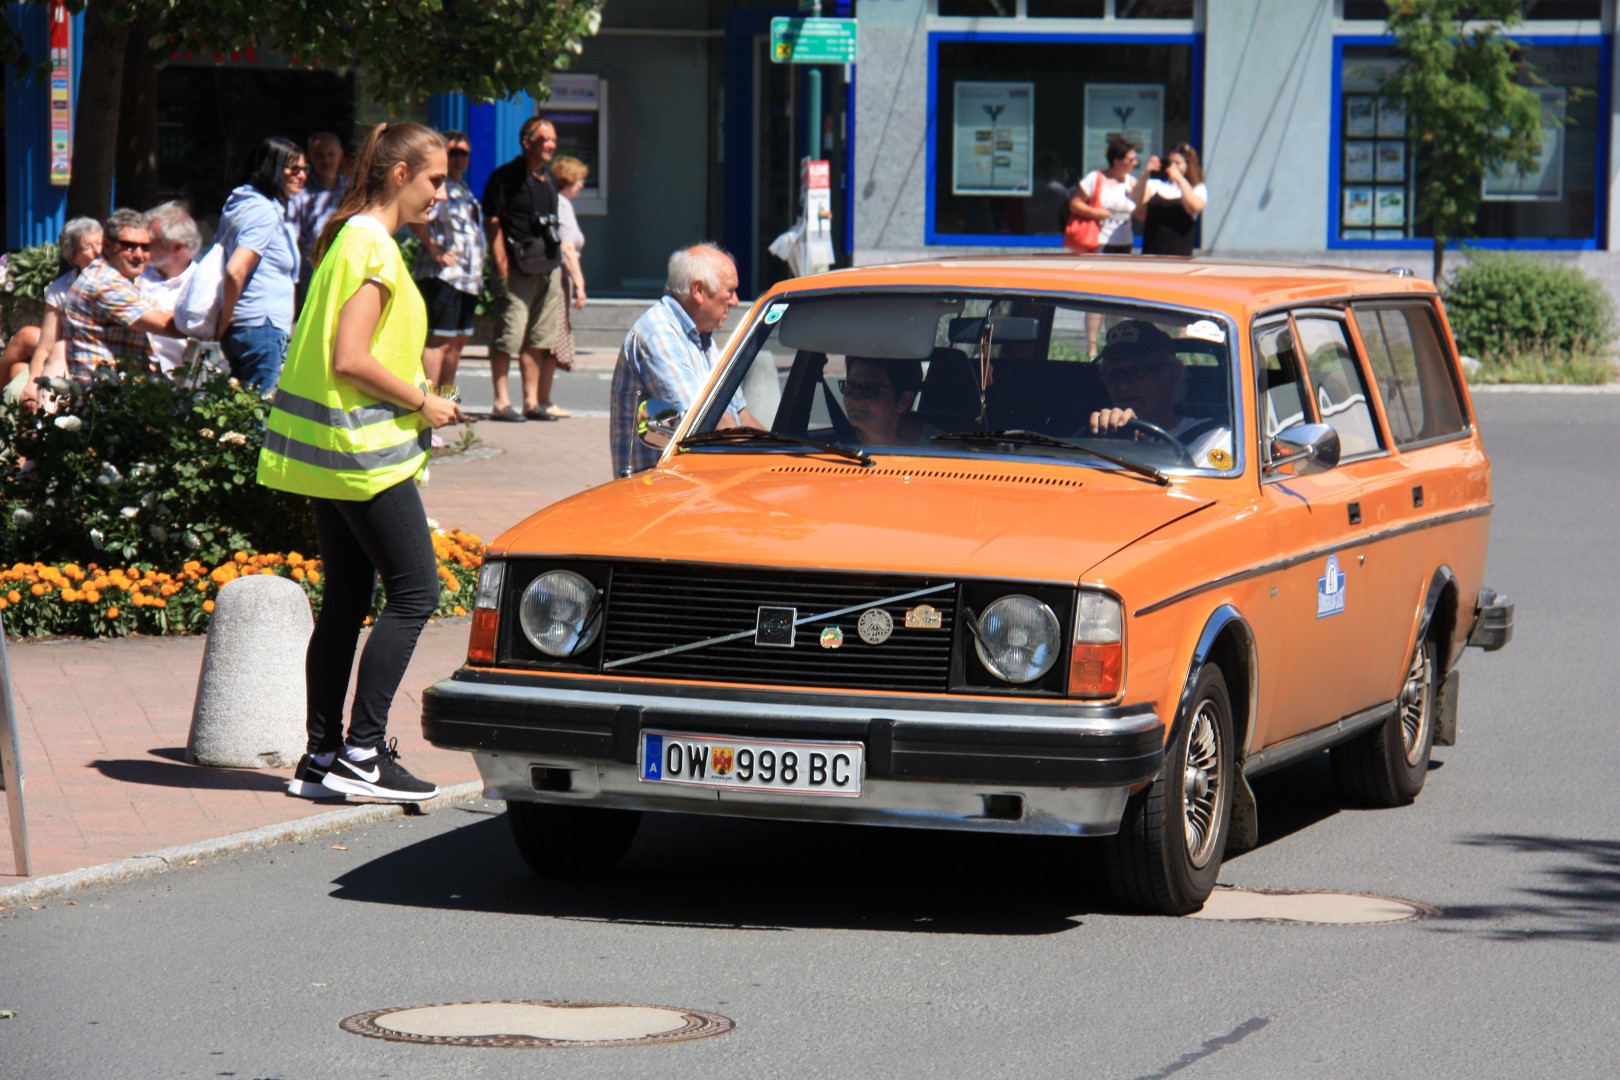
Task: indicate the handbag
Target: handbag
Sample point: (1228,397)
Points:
(196,311)
(1082,235)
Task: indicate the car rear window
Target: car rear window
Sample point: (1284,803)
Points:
(1412,370)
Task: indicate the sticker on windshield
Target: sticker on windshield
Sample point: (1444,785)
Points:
(1206,330)
(1330,590)
(774,313)
(1220,459)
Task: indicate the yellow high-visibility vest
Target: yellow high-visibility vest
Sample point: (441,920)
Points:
(325,437)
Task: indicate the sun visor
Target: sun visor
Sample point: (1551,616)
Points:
(886,328)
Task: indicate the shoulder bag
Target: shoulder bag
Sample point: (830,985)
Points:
(1083,236)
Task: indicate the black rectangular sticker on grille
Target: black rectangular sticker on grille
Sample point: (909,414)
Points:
(774,626)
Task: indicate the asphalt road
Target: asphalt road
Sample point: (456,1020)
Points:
(843,952)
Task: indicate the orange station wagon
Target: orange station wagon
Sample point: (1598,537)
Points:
(1060,546)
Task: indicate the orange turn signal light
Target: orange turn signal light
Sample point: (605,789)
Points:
(1096,670)
(481,644)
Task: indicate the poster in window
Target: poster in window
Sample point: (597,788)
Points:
(994,134)
(1546,180)
(1357,234)
(1360,116)
(1358,207)
(1391,162)
(1389,234)
(1358,161)
(1132,111)
(1391,121)
(1390,206)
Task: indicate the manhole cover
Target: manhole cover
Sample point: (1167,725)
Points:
(1228,904)
(536,1024)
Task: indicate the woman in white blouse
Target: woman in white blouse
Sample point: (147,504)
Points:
(1169,199)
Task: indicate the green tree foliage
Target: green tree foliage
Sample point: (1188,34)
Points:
(1467,108)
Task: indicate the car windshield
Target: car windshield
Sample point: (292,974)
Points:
(1101,384)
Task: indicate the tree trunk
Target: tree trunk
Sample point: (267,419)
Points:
(95,126)
(136,168)
(1439,259)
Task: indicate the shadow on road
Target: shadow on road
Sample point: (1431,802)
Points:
(167,767)
(689,871)
(1578,900)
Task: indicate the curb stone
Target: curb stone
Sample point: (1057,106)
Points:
(154,863)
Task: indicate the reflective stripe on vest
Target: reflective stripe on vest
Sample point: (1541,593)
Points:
(337,460)
(361,416)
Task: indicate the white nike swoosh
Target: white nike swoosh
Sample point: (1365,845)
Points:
(370,778)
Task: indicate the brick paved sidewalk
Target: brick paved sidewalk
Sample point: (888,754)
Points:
(103,724)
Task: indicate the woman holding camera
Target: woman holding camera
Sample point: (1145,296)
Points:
(349,427)
(1169,198)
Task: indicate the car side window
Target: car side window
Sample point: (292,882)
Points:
(1283,401)
(1411,367)
(1336,380)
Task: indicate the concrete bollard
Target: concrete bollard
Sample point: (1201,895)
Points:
(250,707)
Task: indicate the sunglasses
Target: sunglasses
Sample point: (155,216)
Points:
(863,391)
(133,245)
(458,152)
(297,170)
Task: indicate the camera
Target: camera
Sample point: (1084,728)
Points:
(546,225)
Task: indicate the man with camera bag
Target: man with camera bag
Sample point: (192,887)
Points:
(520,219)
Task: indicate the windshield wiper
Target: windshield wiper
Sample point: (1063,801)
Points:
(754,434)
(1036,438)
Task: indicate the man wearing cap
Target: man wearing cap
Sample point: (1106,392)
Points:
(1143,376)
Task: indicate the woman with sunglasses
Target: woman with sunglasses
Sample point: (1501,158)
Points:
(878,396)
(450,268)
(261,263)
(349,427)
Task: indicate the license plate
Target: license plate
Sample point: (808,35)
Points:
(768,765)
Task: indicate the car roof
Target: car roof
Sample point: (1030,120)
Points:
(1228,285)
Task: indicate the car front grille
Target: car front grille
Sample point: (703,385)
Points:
(652,608)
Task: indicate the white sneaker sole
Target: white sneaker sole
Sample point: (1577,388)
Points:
(304,789)
(343,785)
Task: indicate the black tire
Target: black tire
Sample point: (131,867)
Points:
(571,841)
(1167,854)
(1387,765)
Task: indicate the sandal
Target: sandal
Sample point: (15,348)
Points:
(508,414)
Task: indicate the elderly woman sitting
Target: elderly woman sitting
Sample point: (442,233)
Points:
(878,398)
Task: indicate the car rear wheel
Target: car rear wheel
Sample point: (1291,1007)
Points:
(1168,852)
(570,841)
(1387,765)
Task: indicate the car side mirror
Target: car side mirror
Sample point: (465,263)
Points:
(656,421)
(1314,447)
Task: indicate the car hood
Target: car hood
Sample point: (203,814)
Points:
(1048,524)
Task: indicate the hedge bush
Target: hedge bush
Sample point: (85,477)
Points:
(1504,305)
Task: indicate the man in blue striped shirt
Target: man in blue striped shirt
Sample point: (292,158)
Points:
(670,351)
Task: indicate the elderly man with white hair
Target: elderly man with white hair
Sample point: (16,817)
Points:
(670,351)
(175,240)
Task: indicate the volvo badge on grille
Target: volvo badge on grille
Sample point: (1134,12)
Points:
(773,627)
(875,626)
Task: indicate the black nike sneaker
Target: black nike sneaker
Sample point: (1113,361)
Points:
(382,777)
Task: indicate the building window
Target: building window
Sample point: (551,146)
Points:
(1067,9)
(1019,123)
(983,9)
(1378,175)
(1532,10)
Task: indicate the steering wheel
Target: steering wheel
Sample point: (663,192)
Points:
(1158,434)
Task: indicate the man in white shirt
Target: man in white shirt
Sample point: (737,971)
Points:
(175,240)
(1143,376)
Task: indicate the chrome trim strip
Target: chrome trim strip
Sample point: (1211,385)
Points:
(721,640)
(453,692)
(1310,556)
(1301,746)
(777,568)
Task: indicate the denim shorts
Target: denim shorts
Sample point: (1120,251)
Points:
(256,354)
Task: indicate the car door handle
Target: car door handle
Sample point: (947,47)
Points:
(1355,513)
(1417,495)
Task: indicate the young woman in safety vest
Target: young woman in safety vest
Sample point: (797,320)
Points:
(349,427)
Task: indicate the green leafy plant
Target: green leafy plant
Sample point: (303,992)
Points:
(137,468)
(1531,315)
(24,277)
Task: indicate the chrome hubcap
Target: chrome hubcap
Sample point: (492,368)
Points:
(1417,705)
(1202,784)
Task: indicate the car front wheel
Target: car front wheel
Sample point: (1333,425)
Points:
(1168,852)
(571,841)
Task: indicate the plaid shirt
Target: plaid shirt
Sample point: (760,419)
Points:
(457,225)
(663,357)
(309,211)
(101,311)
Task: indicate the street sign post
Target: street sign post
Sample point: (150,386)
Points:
(11,769)
(812,41)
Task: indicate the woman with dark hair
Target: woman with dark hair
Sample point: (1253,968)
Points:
(261,263)
(1169,200)
(349,427)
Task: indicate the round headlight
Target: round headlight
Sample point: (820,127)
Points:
(1018,639)
(559,613)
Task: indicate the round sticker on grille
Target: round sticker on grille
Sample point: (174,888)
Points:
(875,625)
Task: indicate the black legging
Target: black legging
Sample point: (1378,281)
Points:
(385,535)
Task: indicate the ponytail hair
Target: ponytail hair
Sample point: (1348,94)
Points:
(385,147)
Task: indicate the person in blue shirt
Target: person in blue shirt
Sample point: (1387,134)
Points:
(261,264)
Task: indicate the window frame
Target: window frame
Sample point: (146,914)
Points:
(1449,358)
(1336,183)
